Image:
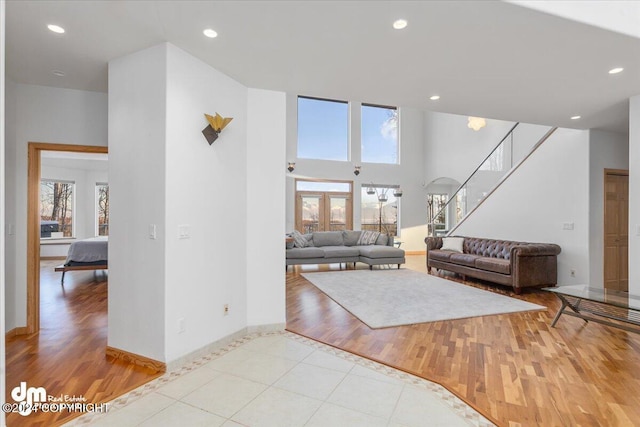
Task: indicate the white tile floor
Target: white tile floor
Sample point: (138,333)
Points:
(282,379)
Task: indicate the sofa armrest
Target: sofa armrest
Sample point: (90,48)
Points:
(535,249)
(433,243)
(534,265)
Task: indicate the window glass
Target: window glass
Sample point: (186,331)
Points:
(379,134)
(379,215)
(324,186)
(323,129)
(56,209)
(102,209)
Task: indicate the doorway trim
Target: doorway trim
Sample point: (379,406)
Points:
(33,221)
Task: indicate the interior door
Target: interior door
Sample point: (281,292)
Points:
(616,230)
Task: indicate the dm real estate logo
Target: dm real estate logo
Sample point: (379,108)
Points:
(28,397)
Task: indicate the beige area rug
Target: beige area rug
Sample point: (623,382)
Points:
(385,298)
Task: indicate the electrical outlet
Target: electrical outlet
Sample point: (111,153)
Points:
(572,272)
(181,327)
(226,309)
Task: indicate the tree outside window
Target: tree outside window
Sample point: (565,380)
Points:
(102,200)
(56,208)
(377,215)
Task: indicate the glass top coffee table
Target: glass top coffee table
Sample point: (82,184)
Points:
(599,305)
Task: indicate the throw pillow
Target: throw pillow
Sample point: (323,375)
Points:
(453,244)
(383,240)
(298,239)
(368,237)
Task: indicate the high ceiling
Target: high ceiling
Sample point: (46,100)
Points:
(484,58)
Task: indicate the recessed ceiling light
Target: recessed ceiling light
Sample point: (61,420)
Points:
(55,28)
(575,117)
(399,24)
(616,70)
(210,33)
(58,73)
(435,97)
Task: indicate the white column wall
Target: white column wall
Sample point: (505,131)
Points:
(551,188)
(206,189)
(607,150)
(634,194)
(265,257)
(137,165)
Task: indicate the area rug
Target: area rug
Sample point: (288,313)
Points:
(385,298)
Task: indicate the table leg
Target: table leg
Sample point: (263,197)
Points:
(559,313)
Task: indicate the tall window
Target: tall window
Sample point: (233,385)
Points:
(379,209)
(102,209)
(323,129)
(379,134)
(56,208)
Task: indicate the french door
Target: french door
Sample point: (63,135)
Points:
(329,210)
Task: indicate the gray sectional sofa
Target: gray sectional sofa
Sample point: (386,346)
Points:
(327,247)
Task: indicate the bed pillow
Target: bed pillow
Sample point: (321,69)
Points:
(299,240)
(453,244)
(368,237)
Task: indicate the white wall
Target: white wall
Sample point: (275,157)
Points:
(41,114)
(137,156)
(549,189)
(408,174)
(265,259)
(455,151)
(607,150)
(206,188)
(634,194)
(9,221)
(85,202)
(2,207)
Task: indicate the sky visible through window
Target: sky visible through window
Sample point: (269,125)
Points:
(379,134)
(323,131)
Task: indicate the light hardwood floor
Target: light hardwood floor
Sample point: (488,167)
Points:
(514,369)
(68,357)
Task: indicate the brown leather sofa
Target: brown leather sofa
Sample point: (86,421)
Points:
(516,264)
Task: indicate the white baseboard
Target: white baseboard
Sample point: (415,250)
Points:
(222,342)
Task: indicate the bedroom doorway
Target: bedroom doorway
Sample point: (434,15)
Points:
(33,222)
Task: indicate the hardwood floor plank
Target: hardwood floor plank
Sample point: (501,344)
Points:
(67,356)
(513,368)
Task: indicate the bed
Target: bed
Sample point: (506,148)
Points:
(86,254)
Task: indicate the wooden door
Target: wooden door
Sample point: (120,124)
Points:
(616,230)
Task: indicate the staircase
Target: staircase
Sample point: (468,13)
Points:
(520,142)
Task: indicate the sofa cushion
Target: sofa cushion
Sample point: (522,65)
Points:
(497,265)
(440,255)
(299,240)
(377,251)
(328,238)
(464,259)
(382,239)
(340,251)
(368,237)
(309,252)
(452,244)
(351,237)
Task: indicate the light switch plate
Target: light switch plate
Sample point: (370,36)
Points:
(152,231)
(567,226)
(184,231)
